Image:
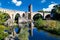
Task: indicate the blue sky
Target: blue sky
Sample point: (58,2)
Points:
(22,5)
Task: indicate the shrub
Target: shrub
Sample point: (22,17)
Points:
(51,24)
(2,34)
(39,23)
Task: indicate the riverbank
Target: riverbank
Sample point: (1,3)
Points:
(52,26)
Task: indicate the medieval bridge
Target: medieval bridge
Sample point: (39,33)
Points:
(13,13)
(24,15)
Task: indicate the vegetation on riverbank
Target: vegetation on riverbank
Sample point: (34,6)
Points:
(5,30)
(2,33)
(52,26)
(3,17)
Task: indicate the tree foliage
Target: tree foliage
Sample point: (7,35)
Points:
(2,34)
(37,16)
(3,17)
(44,11)
(56,9)
(56,12)
(39,23)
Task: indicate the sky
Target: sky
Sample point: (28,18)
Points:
(22,5)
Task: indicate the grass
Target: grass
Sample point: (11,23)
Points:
(52,26)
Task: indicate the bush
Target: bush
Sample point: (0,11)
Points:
(51,23)
(53,26)
(2,34)
(39,23)
(3,17)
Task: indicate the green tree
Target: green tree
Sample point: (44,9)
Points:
(57,9)
(2,34)
(44,11)
(39,23)
(37,16)
(3,17)
(56,12)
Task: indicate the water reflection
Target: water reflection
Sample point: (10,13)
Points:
(42,35)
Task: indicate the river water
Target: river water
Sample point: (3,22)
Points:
(43,35)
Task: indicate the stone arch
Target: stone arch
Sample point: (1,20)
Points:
(48,16)
(17,16)
(23,15)
(7,16)
(37,16)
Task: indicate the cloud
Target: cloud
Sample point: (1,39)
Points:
(43,1)
(17,3)
(14,1)
(50,7)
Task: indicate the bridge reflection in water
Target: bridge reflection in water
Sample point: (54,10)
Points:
(25,22)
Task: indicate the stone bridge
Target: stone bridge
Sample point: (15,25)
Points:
(25,15)
(41,13)
(13,13)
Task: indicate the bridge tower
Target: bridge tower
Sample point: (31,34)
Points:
(30,20)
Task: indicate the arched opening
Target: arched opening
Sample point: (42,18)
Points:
(48,17)
(17,17)
(23,15)
(37,16)
(6,16)
(3,17)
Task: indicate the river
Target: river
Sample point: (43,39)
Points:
(43,35)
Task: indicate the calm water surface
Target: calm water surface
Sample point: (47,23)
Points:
(43,35)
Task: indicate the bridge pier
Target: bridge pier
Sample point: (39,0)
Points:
(30,18)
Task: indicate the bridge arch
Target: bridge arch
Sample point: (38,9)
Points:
(7,15)
(37,16)
(48,16)
(17,16)
(23,15)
